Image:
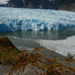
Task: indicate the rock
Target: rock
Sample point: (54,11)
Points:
(7,51)
(4,41)
(53,55)
(38,62)
(43,4)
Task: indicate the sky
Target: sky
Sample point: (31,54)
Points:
(3,1)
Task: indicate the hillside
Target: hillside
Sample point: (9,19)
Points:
(43,4)
(40,61)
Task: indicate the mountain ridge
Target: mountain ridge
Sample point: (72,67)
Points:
(43,4)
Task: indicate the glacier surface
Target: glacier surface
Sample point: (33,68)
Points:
(16,19)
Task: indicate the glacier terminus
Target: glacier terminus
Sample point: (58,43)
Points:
(19,19)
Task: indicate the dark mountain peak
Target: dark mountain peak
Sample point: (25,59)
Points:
(44,4)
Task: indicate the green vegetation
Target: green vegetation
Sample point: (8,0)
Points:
(70,58)
(20,60)
(9,54)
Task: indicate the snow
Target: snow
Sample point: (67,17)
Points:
(15,19)
(3,1)
(62,47)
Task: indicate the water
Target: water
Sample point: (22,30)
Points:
(49,35)
(27,39)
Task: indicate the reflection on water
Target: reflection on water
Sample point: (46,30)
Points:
(27,39)
(50,35)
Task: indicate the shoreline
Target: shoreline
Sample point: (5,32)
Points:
(43,60)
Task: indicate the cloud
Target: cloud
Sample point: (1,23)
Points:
(3,1)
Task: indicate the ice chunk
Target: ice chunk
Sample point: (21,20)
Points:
(62,47)
(15,19)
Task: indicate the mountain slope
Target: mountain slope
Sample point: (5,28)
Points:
(45,4)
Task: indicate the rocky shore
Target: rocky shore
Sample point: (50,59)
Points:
(40,61)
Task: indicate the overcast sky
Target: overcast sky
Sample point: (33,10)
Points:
(3,1)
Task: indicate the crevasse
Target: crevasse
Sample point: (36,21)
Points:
(16,19)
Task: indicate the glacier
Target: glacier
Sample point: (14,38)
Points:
(18,19)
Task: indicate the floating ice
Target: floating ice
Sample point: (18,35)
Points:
(62,47)
(15,19)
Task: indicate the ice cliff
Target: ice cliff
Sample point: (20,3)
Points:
(16,19)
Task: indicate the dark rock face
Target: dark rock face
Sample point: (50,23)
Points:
(2,5)
(4,41)
(44,4)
